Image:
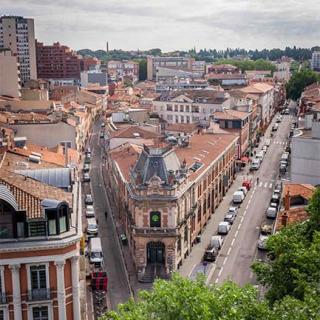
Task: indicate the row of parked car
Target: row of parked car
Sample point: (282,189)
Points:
(271,214)
(224,227)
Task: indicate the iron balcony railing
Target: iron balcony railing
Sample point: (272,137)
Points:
(39,294)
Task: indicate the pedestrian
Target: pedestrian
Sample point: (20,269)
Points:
(257,180)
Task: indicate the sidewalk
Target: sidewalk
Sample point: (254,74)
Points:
(193,265)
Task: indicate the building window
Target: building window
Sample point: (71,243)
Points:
(40,313)
(155,219)
(187,108)
(1,315)
(38,277)
(37,229)
(181,108)
(169,107)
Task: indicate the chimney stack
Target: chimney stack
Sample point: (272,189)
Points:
(284,219)
(287,201)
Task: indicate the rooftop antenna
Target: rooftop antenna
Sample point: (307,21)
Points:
(107,46)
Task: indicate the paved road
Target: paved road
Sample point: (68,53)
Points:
(240,248)
(118,289)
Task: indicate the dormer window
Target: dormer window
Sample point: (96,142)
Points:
(58,220)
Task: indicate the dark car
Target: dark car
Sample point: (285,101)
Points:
(210,254)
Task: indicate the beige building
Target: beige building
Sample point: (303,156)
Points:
(9,74)
(166,196)
(17,34)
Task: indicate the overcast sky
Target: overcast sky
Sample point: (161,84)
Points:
(172,24)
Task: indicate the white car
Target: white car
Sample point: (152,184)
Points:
(233,210)
(271,213)
(92,227)
(267,142)
(262,242)
(243,190)
(90,211)
(264,149)
(224,227)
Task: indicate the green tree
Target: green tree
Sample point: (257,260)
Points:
(142,69)
(299,81)
(295,251)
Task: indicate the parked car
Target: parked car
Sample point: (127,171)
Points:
(244,190)
(86,177)
(238,197)
(230,217)
(210,254)
(247,184)
(92,227)
(233,210)
(88,199)
(101,135)
(90,211)
(262,242)
(271,213)
(87,159)
(275,127)
(275,197)
(103,125)
(260,155)
(255,165)
(86,167)
(216,242)
(267,142)
(266,228)
(286,111)
(224,227)
(277,188)
(264,149)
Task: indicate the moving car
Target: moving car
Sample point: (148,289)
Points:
(224,227)
(90,211)
(92,227)
(88,199)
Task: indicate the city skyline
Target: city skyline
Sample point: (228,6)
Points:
(171,25)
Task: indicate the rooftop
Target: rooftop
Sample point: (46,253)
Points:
(135,132)
(231,115)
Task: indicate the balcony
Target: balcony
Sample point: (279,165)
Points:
(3,298)
(39,294)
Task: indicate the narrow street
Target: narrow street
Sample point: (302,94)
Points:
(118,289)
(240,248)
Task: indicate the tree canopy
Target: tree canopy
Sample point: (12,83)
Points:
(299,81)
(292,280)
(245,65)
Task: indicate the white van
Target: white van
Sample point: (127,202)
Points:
(238,197)
(92,227)
(95,252)
(224,227)
(271,213)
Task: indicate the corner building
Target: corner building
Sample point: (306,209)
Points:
(166,197)
(39,250)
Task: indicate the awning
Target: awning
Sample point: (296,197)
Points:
(245,159)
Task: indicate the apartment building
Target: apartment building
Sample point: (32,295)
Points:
(89,63)
(236,122)
(177,63)
(17,34)
(222,69)
(165,196)
(40,230)
(57,61)
(315,61)
(119,70)
(190,106)
(266,101)
(9,74)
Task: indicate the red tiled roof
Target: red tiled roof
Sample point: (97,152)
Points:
(130,132)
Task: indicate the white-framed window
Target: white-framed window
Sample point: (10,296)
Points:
(38,279)
(40,312)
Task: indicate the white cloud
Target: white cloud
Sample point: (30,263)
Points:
(172,24)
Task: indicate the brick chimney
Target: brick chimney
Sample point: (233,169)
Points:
(284,219)
(287,201)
